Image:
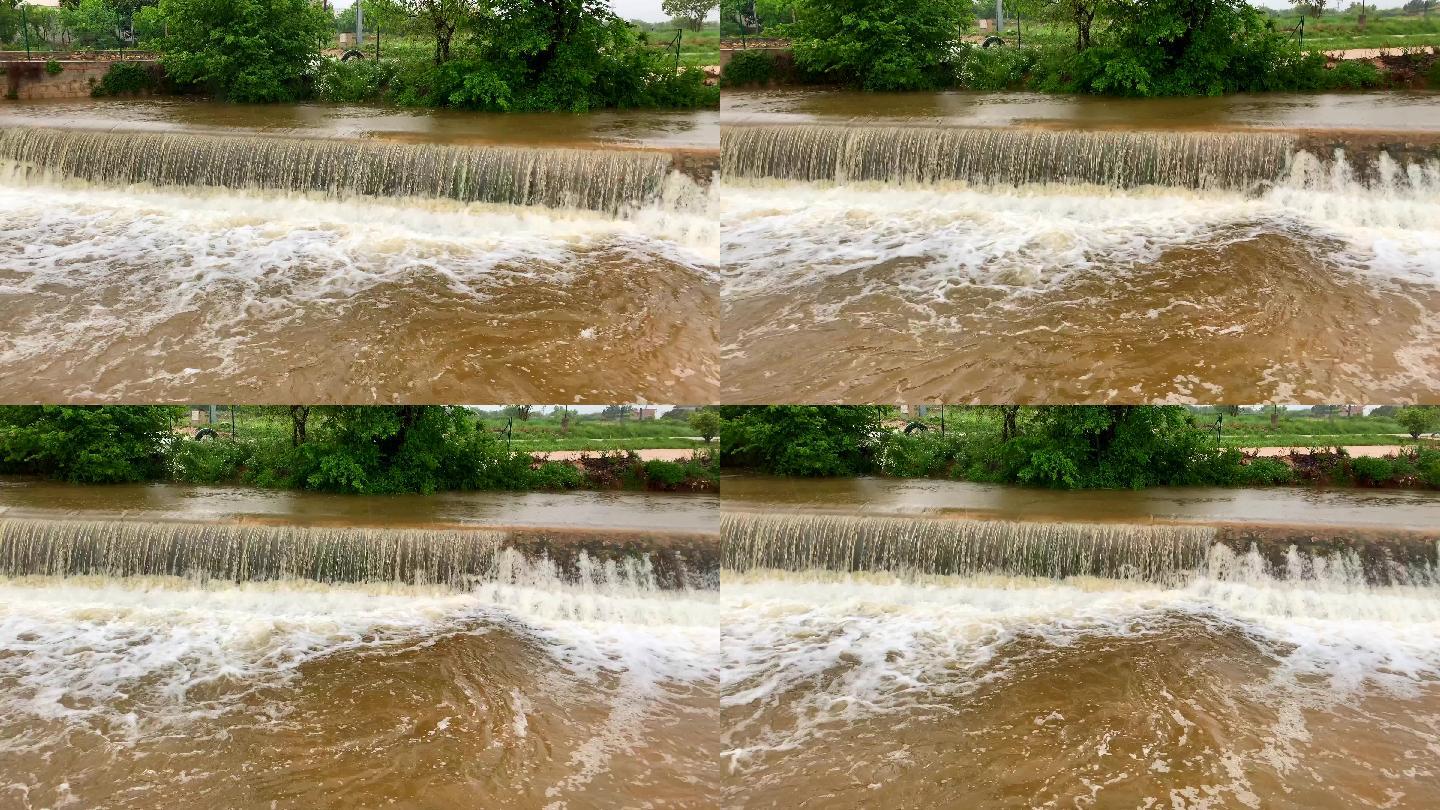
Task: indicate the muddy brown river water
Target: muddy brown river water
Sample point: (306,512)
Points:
(205,255)
(1157,667)
(524,652)
(1026,249)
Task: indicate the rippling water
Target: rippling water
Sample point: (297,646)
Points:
(170,294)
(1236,690)
(528,691)
(1320,287)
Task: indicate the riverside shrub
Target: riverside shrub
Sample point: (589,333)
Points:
(749,67)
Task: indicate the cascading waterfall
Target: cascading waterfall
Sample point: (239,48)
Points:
(1169,555)
(1008,156)
(957,547)
(609,180)
(253,553)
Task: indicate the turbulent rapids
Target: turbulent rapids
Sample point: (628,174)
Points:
(180,267)
(246,553)
(900,662)
(608,180)
(867,263)
(146,665)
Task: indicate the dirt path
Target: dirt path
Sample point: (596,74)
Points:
(1372,53)
(1371,450)
(646,455)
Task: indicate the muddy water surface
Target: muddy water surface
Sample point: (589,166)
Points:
(1378,508)
(1393,111)
(26,498)
(523,694)
(699,129)
(868,691)
(1059,292)
(164,295)
(862,671)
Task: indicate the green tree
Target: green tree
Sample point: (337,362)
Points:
(93,23)
(879,44)
(90,444)
(1183,47)
(244,50)
(441,19)
(706,422)
(806,440)
(693,12)
(404,448)
(1109,447)
(1416,419)
(10,20)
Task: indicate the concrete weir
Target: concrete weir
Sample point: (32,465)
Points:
(245,552)
(608,180)
(1163,553)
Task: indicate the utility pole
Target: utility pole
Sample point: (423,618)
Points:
(999,16)
(359,28)
(25,26)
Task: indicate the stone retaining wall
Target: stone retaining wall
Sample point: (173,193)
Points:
(28,80)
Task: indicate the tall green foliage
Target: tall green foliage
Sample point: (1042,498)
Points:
(573,55)
(243,50)
(85,443)
(879,44)
(1181,47)
(802,439)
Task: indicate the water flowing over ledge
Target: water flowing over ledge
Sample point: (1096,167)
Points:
(1011,156)
(1233,161)
(1164,554)
(257,553)
(608,180)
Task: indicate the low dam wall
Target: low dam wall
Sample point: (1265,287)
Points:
(28,80)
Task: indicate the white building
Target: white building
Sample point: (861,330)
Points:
(48,3)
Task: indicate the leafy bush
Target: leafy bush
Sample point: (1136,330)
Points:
(879,44)
(803,440)
(1265,472)
(749,67)
(1427,465)
(88,444)
(53,68)
(208,462)
(665,474)
(994,68)
(244,50)
(1371,471)
(126,78)
(353,80)
(556,475)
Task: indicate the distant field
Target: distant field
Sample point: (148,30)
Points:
(696,47)
(1343,31)
(1332,32)
(605,445)
(1335,440)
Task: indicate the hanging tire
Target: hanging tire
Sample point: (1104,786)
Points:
(206,434)
(351,54)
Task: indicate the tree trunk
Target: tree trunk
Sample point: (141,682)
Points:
(298,416)
(1083,18)
(1009,429)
